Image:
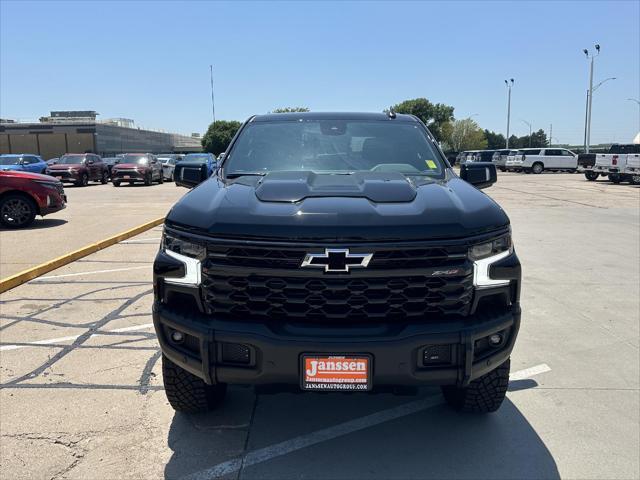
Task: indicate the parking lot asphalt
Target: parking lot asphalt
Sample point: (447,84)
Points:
(81,387)
(93,213)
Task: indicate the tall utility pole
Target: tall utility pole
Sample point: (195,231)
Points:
(586,119)
(590,102)
(638,102)
(529,130)
(213,105)
(550,133)
(509,85)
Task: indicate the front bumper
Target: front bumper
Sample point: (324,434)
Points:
(398,351)
(128,176)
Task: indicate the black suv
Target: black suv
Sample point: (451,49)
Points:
(337,252)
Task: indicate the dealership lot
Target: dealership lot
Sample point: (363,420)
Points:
(81,383)
(93,213)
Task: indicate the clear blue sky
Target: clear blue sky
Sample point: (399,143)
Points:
(150,60)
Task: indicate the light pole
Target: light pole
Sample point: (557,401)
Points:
(529,130)
(509,85)
(213,107)
(638,102)
(591,57)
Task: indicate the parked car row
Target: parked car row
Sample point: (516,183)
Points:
(528,160)
(620,164)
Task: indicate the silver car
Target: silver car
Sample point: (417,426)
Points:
(499,159)
(168,162)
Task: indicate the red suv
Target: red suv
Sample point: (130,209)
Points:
(24,195)
(79,168)
(137,167)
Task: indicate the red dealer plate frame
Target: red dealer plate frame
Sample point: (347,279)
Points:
(353,374)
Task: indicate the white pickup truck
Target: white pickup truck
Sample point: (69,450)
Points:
(622,163)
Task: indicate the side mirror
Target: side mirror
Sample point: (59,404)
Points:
(186,175)
(479,174)
(221,157)
(90,162)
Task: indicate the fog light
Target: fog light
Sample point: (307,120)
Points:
(177,337)
(495,339)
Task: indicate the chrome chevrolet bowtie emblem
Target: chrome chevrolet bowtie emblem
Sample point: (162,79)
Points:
(337,260)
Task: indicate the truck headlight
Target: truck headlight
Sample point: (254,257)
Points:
(189,254)
(486,254)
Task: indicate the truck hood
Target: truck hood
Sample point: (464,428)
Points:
(139,166)
(360,207)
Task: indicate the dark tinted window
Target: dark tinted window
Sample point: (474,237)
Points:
(530,152)
(552,152)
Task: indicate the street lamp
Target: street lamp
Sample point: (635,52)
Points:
(509,84)
(213,105)
(638,102)
(603,81)
(590,98)
(529,130)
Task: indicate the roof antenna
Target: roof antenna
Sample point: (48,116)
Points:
(391,113)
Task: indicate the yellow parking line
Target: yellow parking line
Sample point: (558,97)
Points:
(34,272)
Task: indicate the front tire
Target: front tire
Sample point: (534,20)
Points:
(84,180)
(17,211)
(161,181)
(483,395)
(116,183)
(635,179)
(537,168)
(148,179)
(188,393)
(591,176)
(105,178)
(615,178)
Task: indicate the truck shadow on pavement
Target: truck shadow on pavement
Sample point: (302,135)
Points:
(285,436)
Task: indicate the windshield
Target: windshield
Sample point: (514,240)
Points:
(139,159)
(71,159)
(9,160)
(196,157)
(334,146)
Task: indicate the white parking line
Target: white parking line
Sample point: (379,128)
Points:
(92,272)
(133,328)
(319,436)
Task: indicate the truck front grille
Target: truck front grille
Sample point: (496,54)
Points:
(302,298)
(399,284)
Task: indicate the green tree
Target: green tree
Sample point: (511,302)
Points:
(219,135)
(289,110)
(463,135)
(538,140)
(495,141)
(435,116)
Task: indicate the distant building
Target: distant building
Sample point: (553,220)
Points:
(80,132)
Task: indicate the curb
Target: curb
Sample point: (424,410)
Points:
(34,272)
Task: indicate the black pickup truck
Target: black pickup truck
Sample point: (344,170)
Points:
(337,252)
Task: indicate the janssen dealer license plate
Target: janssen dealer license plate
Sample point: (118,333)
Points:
(328,373)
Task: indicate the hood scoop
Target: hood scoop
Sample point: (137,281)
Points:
(379,187)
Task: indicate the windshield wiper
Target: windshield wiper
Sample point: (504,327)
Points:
(242,174)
